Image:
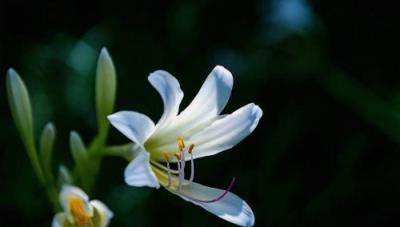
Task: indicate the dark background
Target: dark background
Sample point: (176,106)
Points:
(325,73)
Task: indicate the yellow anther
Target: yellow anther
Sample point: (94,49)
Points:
(191,148)
(78,210)
(166,156)
(180,143)
(178,155)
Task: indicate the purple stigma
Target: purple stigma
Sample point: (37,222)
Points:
(217,198)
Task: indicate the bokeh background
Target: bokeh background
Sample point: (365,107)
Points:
(326,74)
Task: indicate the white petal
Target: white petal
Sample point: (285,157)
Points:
(230,208)
(136,126)
(105,213)
(170,92)
(58,220)
(138,173)
(209,101)
(226,132)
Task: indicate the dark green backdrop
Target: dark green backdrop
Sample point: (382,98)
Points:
(325,73)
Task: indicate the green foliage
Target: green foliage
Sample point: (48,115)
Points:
(87,158)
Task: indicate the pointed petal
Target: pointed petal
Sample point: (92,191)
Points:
(170,91)
(105,213)
(209,101)
(58,220)
(226,132)
(230,208)
(138,173)
(136,126)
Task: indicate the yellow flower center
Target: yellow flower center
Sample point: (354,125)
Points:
(173,179)
(79,212)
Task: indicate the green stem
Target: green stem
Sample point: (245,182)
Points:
(124,151)
(32,153)
(45,176)
(52,193)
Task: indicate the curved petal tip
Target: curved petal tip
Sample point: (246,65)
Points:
(230,208)
(136,126)
(224,75)
(138,173)
(256,114)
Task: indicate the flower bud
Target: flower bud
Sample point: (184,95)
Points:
(46,144)
(105,89)
(64,176)
(80,155)
(20,106)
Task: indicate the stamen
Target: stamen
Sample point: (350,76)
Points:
(183,164)
(166,156)
(191,163)
(181,168)
(215,199)
(181,144)
(162,167)
(178,156)
(180,174)
(191,148)
(168,169)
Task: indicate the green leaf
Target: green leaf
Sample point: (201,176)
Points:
(105,91)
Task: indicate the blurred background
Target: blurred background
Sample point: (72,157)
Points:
(325,73)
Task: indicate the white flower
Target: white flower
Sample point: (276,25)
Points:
(196,132)
(78,211)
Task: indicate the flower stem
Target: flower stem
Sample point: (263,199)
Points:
(124,151)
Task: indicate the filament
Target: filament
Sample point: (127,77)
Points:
(180,174)
(169,175)
(183,164)
(163,167)
(191,167)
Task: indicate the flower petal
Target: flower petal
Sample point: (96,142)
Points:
(58,220)
(136,126)
(226,132)
(138,173)
(230,208)
(211,98)
(170,92)
(204,109)
(209,101)
(105,213)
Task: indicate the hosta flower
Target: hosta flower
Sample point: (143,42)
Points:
(164,150)
(79,211)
